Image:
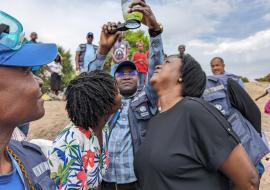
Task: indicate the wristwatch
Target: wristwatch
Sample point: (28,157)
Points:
(154,33)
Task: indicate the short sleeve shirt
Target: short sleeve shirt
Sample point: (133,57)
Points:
(76,159)
(89,56)
(184,148)
(56,67)
(120,50)
(141,62)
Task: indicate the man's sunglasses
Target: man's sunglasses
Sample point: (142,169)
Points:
(11,31)
(122,74)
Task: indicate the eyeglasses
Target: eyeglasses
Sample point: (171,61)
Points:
(11,31)
(122,74)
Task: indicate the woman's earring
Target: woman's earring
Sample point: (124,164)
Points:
(180,80)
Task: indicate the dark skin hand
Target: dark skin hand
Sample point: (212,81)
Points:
(238,168)
(109,35)
(149,18)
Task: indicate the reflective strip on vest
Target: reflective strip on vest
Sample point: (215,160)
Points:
(214,89)
(41,168)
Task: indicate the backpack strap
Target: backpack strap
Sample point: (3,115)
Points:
(214,114)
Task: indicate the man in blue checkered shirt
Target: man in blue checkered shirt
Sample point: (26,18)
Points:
(139,105)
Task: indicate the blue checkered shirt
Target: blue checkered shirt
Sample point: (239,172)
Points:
(121,156)
(121,148)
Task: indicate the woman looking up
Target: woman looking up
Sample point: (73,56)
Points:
(190,145)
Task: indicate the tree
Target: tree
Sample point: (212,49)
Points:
(68,71)
(244,79)
(262,79)
(135,36)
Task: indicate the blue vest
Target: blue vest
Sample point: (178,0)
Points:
(139,114)
(82,52)
(35,164)
(216,93)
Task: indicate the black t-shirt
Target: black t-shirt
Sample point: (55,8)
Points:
(184,148)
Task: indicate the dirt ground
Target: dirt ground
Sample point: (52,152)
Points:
(56,118)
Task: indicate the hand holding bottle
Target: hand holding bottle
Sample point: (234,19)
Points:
(149,18)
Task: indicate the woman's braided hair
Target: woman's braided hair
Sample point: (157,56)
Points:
(90,96)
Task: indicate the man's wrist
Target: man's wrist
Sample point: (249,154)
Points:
(155,31)
(155,27)
(103,51)
(100,57)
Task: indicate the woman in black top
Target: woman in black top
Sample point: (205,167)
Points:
(190,145)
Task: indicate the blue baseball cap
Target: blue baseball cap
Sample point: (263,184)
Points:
(90,34)
(13,52)
(28,55)
(125,63)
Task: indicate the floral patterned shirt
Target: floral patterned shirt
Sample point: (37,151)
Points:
(76,159)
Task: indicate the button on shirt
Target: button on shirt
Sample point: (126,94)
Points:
(121,156)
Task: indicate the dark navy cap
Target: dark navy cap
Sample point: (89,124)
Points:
(125,63)
(90,34)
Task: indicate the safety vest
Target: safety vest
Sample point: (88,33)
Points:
(82,52)
(216,93)
(35,164)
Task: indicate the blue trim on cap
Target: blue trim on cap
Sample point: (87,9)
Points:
(35,54)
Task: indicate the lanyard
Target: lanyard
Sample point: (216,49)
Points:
(115,118)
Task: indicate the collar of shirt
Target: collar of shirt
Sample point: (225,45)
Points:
(16,168)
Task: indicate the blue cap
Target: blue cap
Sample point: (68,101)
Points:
(34,54)
(125,63)
(90,34)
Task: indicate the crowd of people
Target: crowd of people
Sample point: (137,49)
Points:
(155,122)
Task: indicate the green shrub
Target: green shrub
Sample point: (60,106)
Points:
(245,79)
(262,79)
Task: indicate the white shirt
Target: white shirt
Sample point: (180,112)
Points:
(55,68)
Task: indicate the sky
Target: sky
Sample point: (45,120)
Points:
(236,30)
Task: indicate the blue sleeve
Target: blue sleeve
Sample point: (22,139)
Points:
(97,63)
(156,57)
(241,83)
